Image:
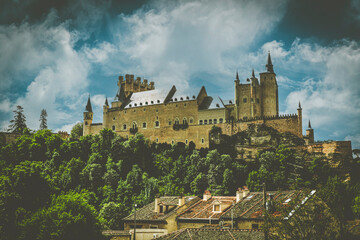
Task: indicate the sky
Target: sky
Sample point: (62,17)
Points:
(53,54)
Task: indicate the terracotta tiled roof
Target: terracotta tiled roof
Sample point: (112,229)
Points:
(148,211)
(213,234)
(204,209)
(252,205)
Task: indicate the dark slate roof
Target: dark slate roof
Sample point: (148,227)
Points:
(213,234)
(147,213)
(88,107)
(204,209)
(252,205)
(150,97)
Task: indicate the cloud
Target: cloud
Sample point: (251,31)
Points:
(171,42)
(42,58)
(327,82)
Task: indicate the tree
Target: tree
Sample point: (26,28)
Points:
(43,119)
(77,130)
(112,213)
(18,124)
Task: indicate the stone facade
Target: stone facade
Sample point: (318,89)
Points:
(165,116)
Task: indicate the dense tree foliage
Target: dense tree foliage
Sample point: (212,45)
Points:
(51,188)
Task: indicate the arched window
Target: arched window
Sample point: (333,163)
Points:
(205,121)
(113,128)
(202,140)
(191,120)
(210,121)
(186,141)
(177,121)
(144,125)
(157,124)
(215,121)
(220,120)
(134,125)
(184,120)
(201,122)
(124,127)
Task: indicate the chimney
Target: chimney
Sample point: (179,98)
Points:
(239,195)
(157,201)
(207,195)
(246,191)
(181,200)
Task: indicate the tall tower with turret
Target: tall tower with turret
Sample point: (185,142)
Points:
(88,118)
(269,91)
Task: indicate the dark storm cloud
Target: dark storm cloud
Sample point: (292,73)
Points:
(325,20)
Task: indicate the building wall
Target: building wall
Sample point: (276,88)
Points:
(336,147)
(269,93)
(182,225)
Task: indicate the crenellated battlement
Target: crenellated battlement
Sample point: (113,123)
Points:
(131,85)
(282,116)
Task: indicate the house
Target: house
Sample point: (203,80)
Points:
(207,211)
(159,217)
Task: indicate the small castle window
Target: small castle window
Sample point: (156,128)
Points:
(129,105)
(169,122)
(220,120)
(113,128)
(205,121)
(244,100)
(124,127)
(210,121)
(135,104)
(181,98)
(157,140)
(201,122)
(113,118)
(193,97)
(140,104)
(175,99)
(146,103)
(144,125)
(176,104)
(184,121)
(134,110)
(177,121)
(158,101)
(172,142)
(215,121)
(187,97)
(186,141)
(157,117)
(257,100)
(191,120)
(144,109)
(202,140)
(157,124)
(156,110)
(216,208)
(134,125)
(184,104)
(152,102)
(252,100)
(230,102)
(125,112)
(86,123)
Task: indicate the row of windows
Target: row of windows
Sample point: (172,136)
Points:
(210,121)
(251,99)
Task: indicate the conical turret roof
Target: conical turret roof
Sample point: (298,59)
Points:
(269,65)
(88,107)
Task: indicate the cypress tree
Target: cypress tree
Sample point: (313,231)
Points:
(18,124)
(43,119)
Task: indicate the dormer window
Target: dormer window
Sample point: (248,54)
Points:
(216,208)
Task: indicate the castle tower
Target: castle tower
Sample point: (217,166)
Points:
(105,110)
(269,91)
(299,110)
(237,95)
(255,96)
(310,134)
(88,118)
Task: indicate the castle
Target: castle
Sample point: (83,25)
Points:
(165,116)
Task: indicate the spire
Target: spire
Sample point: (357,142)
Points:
(106,102)
(120,96)
(253,73)
(88,107)
(309,127)
(269,66)
(299,105)
(237,75)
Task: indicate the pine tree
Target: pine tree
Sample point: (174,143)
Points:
(18,124)
(43,119)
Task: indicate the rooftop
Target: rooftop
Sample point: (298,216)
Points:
(147,213)
(215,234)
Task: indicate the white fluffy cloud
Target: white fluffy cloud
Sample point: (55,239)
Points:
(59,72)
(171,42)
